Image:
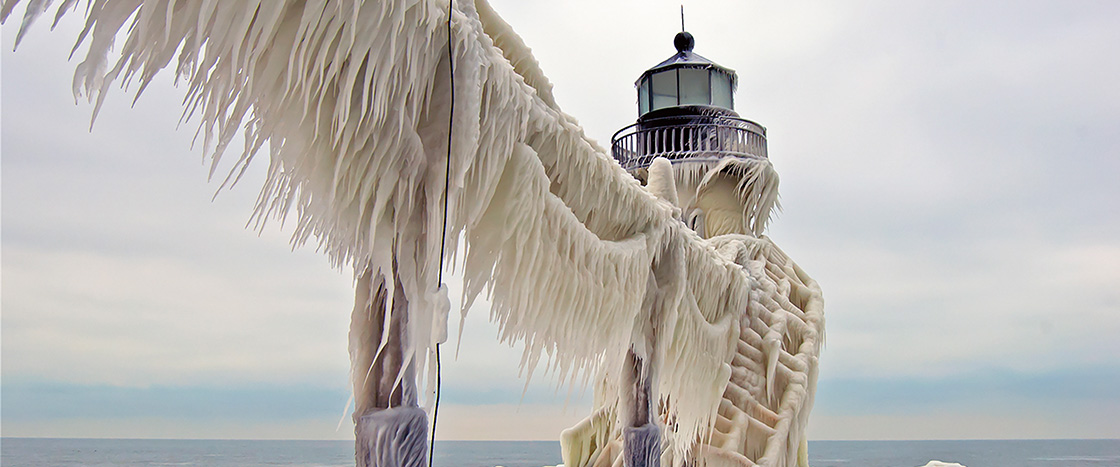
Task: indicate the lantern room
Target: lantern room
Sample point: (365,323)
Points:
(685,79)
(686,113)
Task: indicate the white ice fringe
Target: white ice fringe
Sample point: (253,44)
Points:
(756,186)
(352,99)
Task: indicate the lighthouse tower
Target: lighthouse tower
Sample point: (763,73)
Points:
(686,113)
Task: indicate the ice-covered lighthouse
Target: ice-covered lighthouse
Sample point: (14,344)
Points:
(690,148)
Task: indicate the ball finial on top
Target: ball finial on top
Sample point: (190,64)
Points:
(684,42)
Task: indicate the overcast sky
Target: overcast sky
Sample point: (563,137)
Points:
(949,175)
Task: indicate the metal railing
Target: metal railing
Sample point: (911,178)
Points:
(636,146)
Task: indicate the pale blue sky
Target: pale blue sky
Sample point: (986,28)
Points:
(949,175)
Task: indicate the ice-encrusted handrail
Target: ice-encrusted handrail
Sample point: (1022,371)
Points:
(636,146)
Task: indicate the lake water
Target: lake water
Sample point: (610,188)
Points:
(220,453)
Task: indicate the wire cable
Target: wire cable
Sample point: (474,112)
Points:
(443,234)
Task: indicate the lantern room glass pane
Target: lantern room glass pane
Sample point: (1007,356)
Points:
(664,88)
(695,86)
(721,90)
(643,97)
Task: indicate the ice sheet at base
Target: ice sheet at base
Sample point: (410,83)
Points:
(393,437)
(640,439)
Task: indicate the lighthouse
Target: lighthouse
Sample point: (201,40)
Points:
(686,113)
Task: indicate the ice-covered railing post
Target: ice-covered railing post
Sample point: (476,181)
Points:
(641,426)
(389,427)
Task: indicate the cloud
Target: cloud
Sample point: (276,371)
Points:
(992,390)
(55,401)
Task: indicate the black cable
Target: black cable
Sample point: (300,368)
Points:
(435,413)
(443,235)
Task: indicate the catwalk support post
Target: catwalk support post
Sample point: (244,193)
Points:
(390,428)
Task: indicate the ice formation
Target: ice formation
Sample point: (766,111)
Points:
(392,437)
(597,277)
